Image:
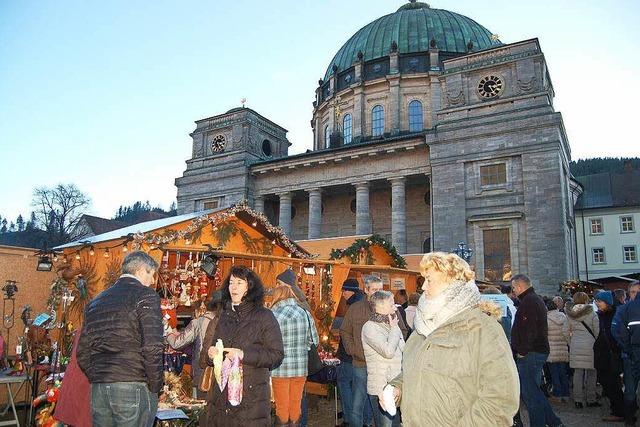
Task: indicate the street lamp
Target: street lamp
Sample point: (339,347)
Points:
(463,251)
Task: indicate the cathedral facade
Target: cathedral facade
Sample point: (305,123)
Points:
(429,131)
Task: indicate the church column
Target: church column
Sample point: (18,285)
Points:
(398,215)
(258,204)
(315,213)
(363,218)
(285,213)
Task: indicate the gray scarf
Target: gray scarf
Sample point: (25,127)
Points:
(433,312)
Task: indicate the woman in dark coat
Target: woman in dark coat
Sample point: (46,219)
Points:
(250,331)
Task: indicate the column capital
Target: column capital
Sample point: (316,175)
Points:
(285,195)
(361,184)
(397,180)
(316,190)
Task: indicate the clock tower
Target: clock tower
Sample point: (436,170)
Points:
(224,147)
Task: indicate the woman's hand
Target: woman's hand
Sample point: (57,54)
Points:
(393,320)
(232,353)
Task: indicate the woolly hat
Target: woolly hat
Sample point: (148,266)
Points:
(350,285)
(605,296)
(288,277)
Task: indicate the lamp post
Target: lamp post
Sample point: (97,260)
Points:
(463,251)
(8,313)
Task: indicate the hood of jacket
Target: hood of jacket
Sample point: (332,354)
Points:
(576,311)
(556,317)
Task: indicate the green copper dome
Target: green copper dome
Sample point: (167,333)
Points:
(412,27)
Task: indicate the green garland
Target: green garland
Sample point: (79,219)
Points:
(363,246)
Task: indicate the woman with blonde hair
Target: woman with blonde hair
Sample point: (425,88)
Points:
(581,331)
(457,367)
(298,331)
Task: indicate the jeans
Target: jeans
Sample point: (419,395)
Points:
(560,378)
(631,379)
(381,418)
(538,407)
(123,404)
(360,403)
(303,410)
(344,373)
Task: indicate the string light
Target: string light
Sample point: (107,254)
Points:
(91,251)
(78,255)
(124,248)
(106,253)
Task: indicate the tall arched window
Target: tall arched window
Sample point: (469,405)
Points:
(346,128)
(416,123)
(327,135)
(377,120)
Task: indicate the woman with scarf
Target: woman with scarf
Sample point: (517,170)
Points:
(382,343)
(457,366)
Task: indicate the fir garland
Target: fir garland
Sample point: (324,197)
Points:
(363,246)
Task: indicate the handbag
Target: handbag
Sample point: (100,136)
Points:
(314,364)
(207,379)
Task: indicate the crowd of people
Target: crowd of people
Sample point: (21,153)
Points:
(439,357)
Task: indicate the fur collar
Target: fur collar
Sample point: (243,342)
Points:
(576,311)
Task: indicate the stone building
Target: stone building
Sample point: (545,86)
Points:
(427,130)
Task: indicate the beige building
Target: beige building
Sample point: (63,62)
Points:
(428,130)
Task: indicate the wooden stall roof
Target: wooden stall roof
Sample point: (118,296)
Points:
(323,247)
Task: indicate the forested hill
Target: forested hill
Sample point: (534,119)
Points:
(584,167)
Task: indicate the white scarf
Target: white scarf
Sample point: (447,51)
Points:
(433,312)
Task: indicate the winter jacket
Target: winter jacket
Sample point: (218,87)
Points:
(351,330)
(558,343)
(342,353)
(383,347)
(193,334)
(462,374)
(121,338)
(606,353)
(411,314)
(298,331)
(629,329)
(581,341)
(254,330)
(529,330)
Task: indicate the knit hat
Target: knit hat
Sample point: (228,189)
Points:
(606,296)
(350,285)
(288,277)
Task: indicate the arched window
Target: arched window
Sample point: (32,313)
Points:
(327,135)
(377,120)
(346,128)
(416,123)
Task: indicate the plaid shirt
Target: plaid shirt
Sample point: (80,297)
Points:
(294,324)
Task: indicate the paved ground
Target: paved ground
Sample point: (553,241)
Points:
(321,412)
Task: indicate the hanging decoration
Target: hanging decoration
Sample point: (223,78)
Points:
(570,287)
(360,251)
(112,273)
(324,309)
(219,222)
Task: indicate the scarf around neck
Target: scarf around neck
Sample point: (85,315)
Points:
(433,312)
(381,318)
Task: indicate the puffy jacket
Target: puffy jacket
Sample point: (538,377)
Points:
(383,347)
(193,334)
(121,338)
(462,374)
(558,343)
(254,330)
(581,341)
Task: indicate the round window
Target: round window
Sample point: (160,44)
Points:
(353,206)
(266,148)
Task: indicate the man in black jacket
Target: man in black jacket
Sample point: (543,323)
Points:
(530,344)
(121,345)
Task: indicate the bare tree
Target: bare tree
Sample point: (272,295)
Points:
(58,210)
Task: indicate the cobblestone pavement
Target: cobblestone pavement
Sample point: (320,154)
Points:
(321,413)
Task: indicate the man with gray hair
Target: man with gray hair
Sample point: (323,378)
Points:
(121,345)
(351,335)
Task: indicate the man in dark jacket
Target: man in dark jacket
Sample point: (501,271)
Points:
(625,328)
(530,344)
(121,345)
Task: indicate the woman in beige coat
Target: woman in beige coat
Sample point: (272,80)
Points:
(558,352)
(457,366)
(582,329)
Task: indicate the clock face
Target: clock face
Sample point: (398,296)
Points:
(490,87)
(218,143)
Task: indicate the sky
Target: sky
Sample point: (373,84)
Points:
(105,94)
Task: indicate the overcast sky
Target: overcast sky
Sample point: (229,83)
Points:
(104,94)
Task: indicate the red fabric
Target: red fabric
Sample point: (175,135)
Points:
(74,403)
